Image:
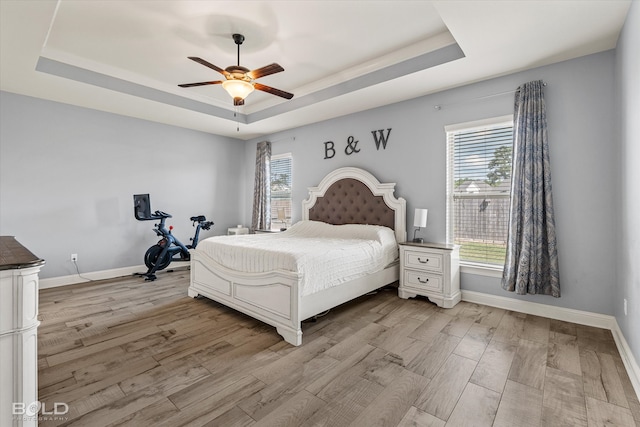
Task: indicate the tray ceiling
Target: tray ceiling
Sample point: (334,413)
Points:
(127,57)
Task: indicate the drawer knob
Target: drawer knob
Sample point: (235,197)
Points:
(423,262)
(423,281)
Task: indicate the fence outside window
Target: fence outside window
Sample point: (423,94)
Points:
(480,227)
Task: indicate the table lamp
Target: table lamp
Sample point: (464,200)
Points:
(419,221)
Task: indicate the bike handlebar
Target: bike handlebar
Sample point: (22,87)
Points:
(162,214)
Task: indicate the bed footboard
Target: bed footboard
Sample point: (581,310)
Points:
(271,297)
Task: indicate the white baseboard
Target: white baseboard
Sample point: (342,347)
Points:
(567,315)
(54,282)
(628,360)
(543,310)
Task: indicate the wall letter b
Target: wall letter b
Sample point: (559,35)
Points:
(328,148)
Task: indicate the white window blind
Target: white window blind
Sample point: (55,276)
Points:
(281,191)
(479,188)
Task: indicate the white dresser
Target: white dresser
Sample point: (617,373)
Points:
(18,334)
(431,270)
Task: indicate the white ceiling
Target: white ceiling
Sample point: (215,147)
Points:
(340,57)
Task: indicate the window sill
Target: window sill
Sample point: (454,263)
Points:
(481,269)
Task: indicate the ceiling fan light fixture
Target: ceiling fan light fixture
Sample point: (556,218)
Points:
(238,89)
(240,81)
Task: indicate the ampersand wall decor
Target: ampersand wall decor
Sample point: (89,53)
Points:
(351,146)
(379,139)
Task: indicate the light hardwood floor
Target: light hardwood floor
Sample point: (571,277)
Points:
(136,353)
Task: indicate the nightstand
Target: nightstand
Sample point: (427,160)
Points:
(431,270)
(234,231)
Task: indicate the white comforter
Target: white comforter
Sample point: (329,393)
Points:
(323,255)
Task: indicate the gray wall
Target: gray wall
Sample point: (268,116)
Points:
(67,176)
(628,215)
(584,162)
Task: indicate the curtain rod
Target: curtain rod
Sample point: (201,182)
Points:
(439,106)
(293,138)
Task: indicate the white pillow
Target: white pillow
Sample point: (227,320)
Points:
(379,233)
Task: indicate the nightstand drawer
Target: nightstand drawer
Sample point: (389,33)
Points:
(420,279)
(423,260)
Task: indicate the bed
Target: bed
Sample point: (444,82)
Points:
(280,296)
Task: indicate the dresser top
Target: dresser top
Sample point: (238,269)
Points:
(444,246)
(14,256)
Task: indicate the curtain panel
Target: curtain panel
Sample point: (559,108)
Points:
(261,217)
(531,265)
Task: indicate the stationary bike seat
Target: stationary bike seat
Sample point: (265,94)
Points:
(198,218)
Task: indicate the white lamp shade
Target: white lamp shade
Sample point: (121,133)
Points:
(420,217)
(237,88)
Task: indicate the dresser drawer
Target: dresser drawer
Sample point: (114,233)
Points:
(423,260)
(422,280)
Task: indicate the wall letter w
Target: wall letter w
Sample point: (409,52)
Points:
(378,137)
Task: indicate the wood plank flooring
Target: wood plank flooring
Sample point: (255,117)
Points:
(126,352)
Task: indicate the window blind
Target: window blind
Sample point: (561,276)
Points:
(478,190)
(281,191)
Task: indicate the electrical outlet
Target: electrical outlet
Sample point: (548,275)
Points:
(625,306)
(74,257)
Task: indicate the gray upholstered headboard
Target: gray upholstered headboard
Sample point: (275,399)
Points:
(354,196)
(349,201)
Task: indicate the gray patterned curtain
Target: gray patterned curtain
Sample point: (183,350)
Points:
(532,259)
(261,218)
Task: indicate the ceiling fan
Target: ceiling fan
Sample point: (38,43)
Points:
(240,82)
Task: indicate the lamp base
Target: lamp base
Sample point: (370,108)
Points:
(418,240)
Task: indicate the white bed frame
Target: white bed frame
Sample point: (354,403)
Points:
(273,297)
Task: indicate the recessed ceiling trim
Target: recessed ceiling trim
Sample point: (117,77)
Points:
(68,71)
(409,66)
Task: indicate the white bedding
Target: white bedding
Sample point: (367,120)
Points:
(323,255)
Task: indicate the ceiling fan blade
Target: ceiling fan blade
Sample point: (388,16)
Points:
(273,91)
(265,71)
(208,64)
(217,82)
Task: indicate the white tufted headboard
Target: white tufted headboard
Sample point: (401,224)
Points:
(354,196)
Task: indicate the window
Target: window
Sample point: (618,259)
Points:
(478,189)
(280,191)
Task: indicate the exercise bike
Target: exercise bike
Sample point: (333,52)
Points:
(169,248)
